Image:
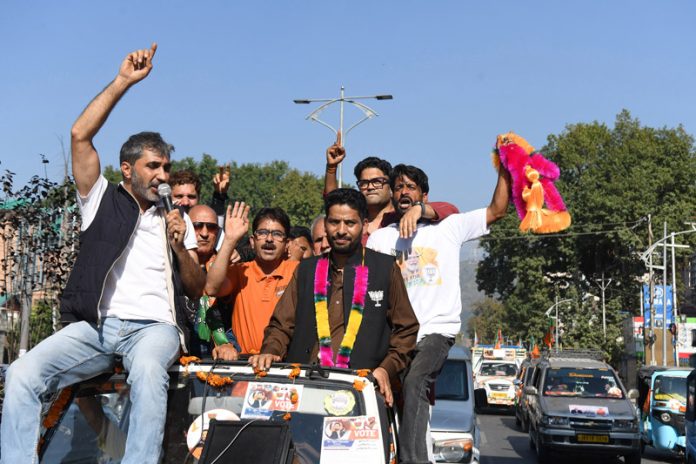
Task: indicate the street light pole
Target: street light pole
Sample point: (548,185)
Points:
(368,113)
(646,257)
(556,305)
(548,312)
(603,287)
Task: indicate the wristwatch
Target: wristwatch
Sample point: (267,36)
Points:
(422,207)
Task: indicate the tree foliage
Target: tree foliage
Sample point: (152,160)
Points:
(611,180)
(488,316)
(40,242)
(260,185)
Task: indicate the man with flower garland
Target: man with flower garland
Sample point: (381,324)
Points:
(348,308)
(429,262)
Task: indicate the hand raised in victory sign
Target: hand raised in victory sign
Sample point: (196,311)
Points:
(237,221)
(137,65)
(335,153)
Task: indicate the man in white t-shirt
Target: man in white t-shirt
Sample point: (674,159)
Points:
(429,262)
(126,290)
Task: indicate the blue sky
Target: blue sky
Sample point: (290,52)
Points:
(460,71)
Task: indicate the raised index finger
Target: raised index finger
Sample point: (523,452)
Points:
(153,49)
(339,138)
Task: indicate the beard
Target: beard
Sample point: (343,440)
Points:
(344,248)
(142,189)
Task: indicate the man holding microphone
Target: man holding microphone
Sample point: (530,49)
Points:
(125,295)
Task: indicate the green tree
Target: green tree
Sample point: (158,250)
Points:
(276,184)
(488,315)
(205,168)
(112,174)
(259,185)
(41,321)
(611,180)
(262,185)
(40,238)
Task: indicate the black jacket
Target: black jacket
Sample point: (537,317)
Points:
(100,246)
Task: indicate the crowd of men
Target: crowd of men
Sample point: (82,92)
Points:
(152,282)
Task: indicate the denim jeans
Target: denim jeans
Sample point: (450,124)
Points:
(430,355)
(81,351)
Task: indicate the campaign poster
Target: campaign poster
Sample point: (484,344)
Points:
(262,399)
(588,411)
(350,439)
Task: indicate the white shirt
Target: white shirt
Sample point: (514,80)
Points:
(136,286)
(429,263)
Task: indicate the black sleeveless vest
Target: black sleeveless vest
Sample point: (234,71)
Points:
(100,246)
(372,342)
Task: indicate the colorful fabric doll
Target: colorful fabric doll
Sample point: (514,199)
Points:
(533,178)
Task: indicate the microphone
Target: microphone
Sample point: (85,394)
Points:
(165,193)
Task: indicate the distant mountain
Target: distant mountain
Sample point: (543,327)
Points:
(470,256)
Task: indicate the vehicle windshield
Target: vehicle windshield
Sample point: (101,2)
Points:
(452,381)
(95,425)
(501,369)
(669,388)
(585,383)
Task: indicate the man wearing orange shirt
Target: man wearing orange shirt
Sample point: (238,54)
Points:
(257,285)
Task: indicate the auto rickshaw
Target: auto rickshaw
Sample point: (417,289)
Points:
(662,403)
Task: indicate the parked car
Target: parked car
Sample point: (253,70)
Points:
(662,402)
(579,405)
(523,379)
(325,415)
(453,426)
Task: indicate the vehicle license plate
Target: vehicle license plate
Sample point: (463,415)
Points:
(499,395)
(587,438)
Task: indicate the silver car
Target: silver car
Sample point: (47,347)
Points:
(454,432)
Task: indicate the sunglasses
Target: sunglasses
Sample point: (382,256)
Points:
(211,226)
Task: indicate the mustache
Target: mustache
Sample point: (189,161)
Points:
(268,246)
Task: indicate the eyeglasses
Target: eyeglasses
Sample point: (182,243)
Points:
(261,234)
(377,182)
(211,226)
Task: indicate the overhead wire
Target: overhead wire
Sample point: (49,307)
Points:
(627,226)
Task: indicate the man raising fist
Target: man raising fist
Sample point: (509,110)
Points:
(125,293)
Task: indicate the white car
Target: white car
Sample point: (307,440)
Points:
(496,377)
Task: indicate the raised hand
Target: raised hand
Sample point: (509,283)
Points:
(221,180)
(408,224)
(237,221)
(137,65)
(335,153)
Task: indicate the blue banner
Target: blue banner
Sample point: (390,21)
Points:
(659,304)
